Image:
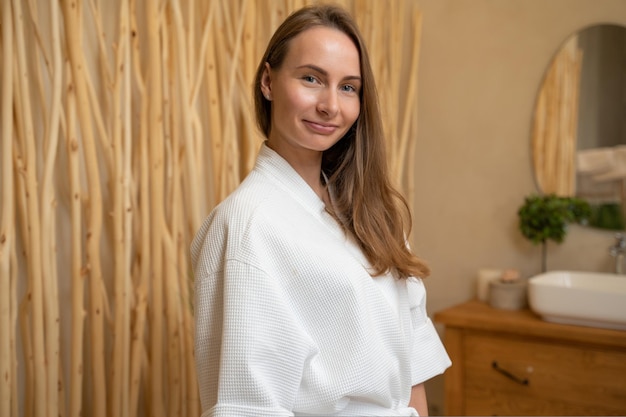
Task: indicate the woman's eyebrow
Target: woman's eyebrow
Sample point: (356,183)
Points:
(325,73)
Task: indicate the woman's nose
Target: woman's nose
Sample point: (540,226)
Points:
(328,103)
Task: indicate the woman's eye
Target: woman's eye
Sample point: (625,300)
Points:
(349,88)
(309,78)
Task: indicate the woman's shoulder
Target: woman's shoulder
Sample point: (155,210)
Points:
(232,218)
(248,198)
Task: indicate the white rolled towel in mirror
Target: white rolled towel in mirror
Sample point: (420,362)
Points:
(618,171)
(595,161)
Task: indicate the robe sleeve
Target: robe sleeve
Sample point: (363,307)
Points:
(428,355)
(250,349)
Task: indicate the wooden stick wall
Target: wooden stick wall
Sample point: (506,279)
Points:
(123,123)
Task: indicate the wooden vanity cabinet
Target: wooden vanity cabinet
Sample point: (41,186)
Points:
(513,363)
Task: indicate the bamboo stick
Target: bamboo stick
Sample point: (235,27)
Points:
(230,153)
(119,380)
(410,134)
(227,152)
(172,298)
(7,232)
(94,220)
(155,126)
(186,94)
(190,40)
(50,283)
(197,150)
(250,142)
(190,388)
(77,272)
(34,225)
(144,260)
(171,129)
(36,33)
(202,55)
(175,299)
(39,107)
(14,325)
(181,230)
(27,343)
(393,78)
(128,207)
(406,142)
(213,93)
(24,306)
(107,73)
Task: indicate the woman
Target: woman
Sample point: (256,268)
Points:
(306,301)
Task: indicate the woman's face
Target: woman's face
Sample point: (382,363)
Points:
(315,92)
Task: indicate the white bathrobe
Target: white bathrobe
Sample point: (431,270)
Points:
(288,320)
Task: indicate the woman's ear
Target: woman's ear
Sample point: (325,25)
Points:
(266,82)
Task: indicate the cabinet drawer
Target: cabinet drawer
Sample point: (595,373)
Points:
(534,377)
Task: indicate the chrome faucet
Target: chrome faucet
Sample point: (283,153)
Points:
(618,250)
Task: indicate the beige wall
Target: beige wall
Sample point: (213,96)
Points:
(481,65)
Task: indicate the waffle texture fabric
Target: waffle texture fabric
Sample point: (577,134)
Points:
(288,320)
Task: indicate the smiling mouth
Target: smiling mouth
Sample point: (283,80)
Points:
(321,127)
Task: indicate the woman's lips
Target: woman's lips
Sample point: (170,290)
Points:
(323,128)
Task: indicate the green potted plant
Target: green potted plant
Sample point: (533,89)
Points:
(545,217)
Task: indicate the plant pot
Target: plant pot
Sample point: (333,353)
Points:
(508,295)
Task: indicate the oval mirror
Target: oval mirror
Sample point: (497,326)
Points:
(579,128)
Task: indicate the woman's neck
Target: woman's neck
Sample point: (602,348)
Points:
(307,163)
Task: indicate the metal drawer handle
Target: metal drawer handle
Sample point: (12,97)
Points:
(509,375)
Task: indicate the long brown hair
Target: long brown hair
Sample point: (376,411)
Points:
(365,202)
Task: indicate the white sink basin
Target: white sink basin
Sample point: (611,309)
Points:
(582,298)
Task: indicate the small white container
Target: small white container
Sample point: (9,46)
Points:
(483,278)
(511,295)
